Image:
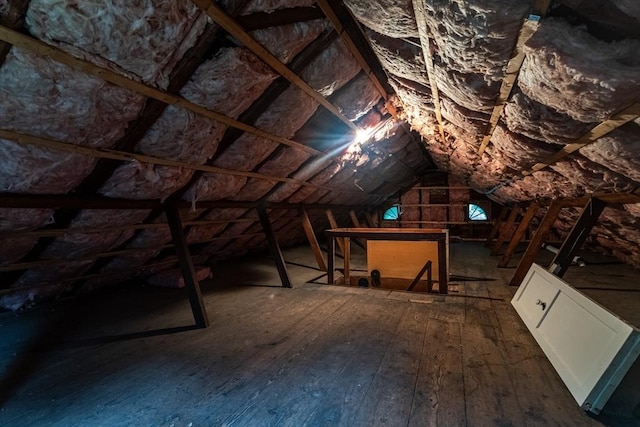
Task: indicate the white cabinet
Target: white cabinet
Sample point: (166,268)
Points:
(590,348)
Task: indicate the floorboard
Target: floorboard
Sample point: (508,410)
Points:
(314,355)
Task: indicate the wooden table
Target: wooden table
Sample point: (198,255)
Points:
(407,234)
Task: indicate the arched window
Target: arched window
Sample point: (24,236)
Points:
(392,213)
(476,213)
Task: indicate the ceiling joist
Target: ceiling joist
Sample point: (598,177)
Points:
(419,9)
(292,15)
(232,27)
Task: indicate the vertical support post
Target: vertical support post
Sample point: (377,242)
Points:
(577,236)
(186,265)
(313,241)
(274,247)
(443,274)
(519,234)
(536,243)
(331,259)
(496,226)
(371,220)
(507,230)
(334,224)
(347,261)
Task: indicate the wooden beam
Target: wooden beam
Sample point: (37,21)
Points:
(232,27)
(334,224)
(331,10)
(106,153)
(506,231)
(276,18)
(529,26)
(13,17)
(188,272)
(577,236)
(519,234)
(331,259)
(354,219)
(29,43)
(347,261)
(274,247)
(496,225)
(622,117)
(313,241)
(536,243)
(420,11)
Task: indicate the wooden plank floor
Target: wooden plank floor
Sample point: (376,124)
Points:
(314,355)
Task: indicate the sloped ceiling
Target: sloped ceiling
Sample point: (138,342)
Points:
(219,106)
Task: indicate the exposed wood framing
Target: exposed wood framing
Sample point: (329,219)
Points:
(53,232)
(292,15)
(29,43)
(13,17)
(354,219)
(233,28)
(274,247)
(110,254)
(334,224)
(577,236)
(519,234)
(313,241)
(346,241)
(188,272)
(68,201)
(420,10)
(504,211)
(625,116)
(536,243)
(329,9)
(529,26)
(506,231)
(106,153)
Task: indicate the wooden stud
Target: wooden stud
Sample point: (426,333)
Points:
(506,232)
(420,10)
(519,234)
(29,43)
(313,241)
(354,219)
(188,272)
(496,225)
(577,236)
(536,243)
(333,224)
(274,247)
(233,28)
(347,261)
(331,259)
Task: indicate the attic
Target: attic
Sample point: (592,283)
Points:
(209,147)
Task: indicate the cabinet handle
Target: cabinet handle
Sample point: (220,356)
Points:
(542,303)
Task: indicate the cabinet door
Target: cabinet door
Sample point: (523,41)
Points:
(590,348)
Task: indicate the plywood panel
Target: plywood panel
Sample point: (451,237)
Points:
(401,259)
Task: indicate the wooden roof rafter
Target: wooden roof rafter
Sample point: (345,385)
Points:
(620,118)
(29,43)
(106,153)
(512,69)
(232,27)
(287,16)
(419,9)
